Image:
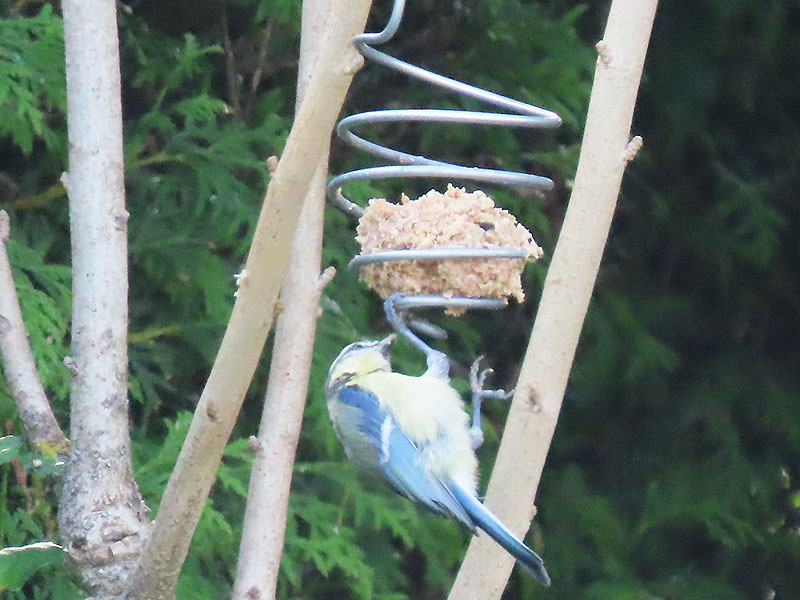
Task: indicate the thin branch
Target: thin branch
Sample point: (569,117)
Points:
(565,299)
(190,482)
(152,333)
(230,65)
(271,475)
(258,73)
(43,198)
(40,424)
(102,518)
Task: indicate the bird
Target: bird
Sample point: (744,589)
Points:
(414,431)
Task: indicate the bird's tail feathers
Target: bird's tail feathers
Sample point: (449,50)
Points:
(501,534)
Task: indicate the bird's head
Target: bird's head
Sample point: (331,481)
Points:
(359,359)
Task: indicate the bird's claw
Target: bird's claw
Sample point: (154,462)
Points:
(477,379)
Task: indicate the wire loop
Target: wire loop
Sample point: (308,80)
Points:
(405,165)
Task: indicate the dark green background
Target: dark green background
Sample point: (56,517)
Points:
(673,472)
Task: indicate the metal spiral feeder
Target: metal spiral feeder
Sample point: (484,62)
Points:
(408,165)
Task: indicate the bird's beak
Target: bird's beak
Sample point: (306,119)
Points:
(386,343)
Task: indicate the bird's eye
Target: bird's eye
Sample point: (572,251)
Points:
(345,377)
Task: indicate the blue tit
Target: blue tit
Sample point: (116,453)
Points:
(415,432)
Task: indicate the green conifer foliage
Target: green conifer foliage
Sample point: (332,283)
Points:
(675,466)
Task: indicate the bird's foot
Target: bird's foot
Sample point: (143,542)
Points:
(477,379)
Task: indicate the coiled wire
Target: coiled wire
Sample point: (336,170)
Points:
(403,165)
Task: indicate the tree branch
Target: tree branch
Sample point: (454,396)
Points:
(565,299)
(43,198)
(230,64)
(190,482)
(102,517)
(37,417)
(271,475)
(258,73)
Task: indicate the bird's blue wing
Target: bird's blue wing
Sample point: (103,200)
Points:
(398,457)
(404,471)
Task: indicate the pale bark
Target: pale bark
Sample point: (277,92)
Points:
(41,427)
(565,299)
(264,527)
(271,475)
(102,518)
(189,485)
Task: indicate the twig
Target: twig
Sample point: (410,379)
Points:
(37,416)
(565,299)
(152,333)
(101,515)
(191,480)
(271,476)
(258,73)
(230,66)
(54,192)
